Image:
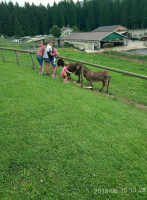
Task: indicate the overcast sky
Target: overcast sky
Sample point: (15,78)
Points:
(36,2)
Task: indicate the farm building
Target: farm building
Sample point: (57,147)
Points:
(94,40)
(38,41)
(66,31)
(115,28)
(33,43)
(140,34)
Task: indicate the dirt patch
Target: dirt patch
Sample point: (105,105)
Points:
(138,105)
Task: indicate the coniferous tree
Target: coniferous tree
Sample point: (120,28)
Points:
(36,20)
(84,21)
(143,13)
(61,14)
(26,20)
(54,14)
(96,5)
(90,17)
(5,19)
(133,15)
(115,14)
(124,13)
(72,19)
(105,13)
(43,19)
(79,15)
(11,9)
(49,18)
(18,29)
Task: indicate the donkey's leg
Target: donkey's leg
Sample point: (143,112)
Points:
(79,78)
(107,84)
(91,84)
(68,75)
(102,86)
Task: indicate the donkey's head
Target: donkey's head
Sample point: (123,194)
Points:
(78,70)
(60,62)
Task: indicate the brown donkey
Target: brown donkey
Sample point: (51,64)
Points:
(95,76)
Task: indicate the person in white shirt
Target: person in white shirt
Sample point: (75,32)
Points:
(49,57)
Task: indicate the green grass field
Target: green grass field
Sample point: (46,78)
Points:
(121,86)
(60,141)
(126,55)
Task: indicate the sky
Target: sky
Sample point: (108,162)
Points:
(36,2)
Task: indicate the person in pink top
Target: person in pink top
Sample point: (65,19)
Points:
(63,72)
(40,53)
(55,52)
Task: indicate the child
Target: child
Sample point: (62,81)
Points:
(63,72)
(55,52)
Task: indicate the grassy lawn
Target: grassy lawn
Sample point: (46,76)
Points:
(121,86)
(59,141)
(8,43)
(126,55)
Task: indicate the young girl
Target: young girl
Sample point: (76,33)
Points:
(63,72)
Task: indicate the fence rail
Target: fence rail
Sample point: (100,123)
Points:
(82,62)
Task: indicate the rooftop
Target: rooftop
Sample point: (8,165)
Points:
(92,36)
(65,28)
(106,28)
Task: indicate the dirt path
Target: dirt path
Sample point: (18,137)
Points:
(131,45)
(138,105)
(124,58)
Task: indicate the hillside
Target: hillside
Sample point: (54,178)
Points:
(59,141)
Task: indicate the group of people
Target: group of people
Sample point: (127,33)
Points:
(48,55)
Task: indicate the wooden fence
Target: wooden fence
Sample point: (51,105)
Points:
(82,62)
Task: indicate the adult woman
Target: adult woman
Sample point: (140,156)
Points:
(40,53)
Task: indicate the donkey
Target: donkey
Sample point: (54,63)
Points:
(95,76)
(72,67)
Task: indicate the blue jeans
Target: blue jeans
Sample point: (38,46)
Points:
(40,60)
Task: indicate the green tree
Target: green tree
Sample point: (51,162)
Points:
(18,29)
(55,31)
(90,22)
(133,15)
(105,13)
(96,5)
(124,13)
(11,9)
(61,14)
(116,10)
(54,14)
(143,13)
(43,15)
(78,14)
(5,17)
(49,19)
(71,13)
(75,28)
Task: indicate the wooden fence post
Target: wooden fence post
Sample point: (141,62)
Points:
(17,58)
(3,55)
(82,84)
(32,60)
